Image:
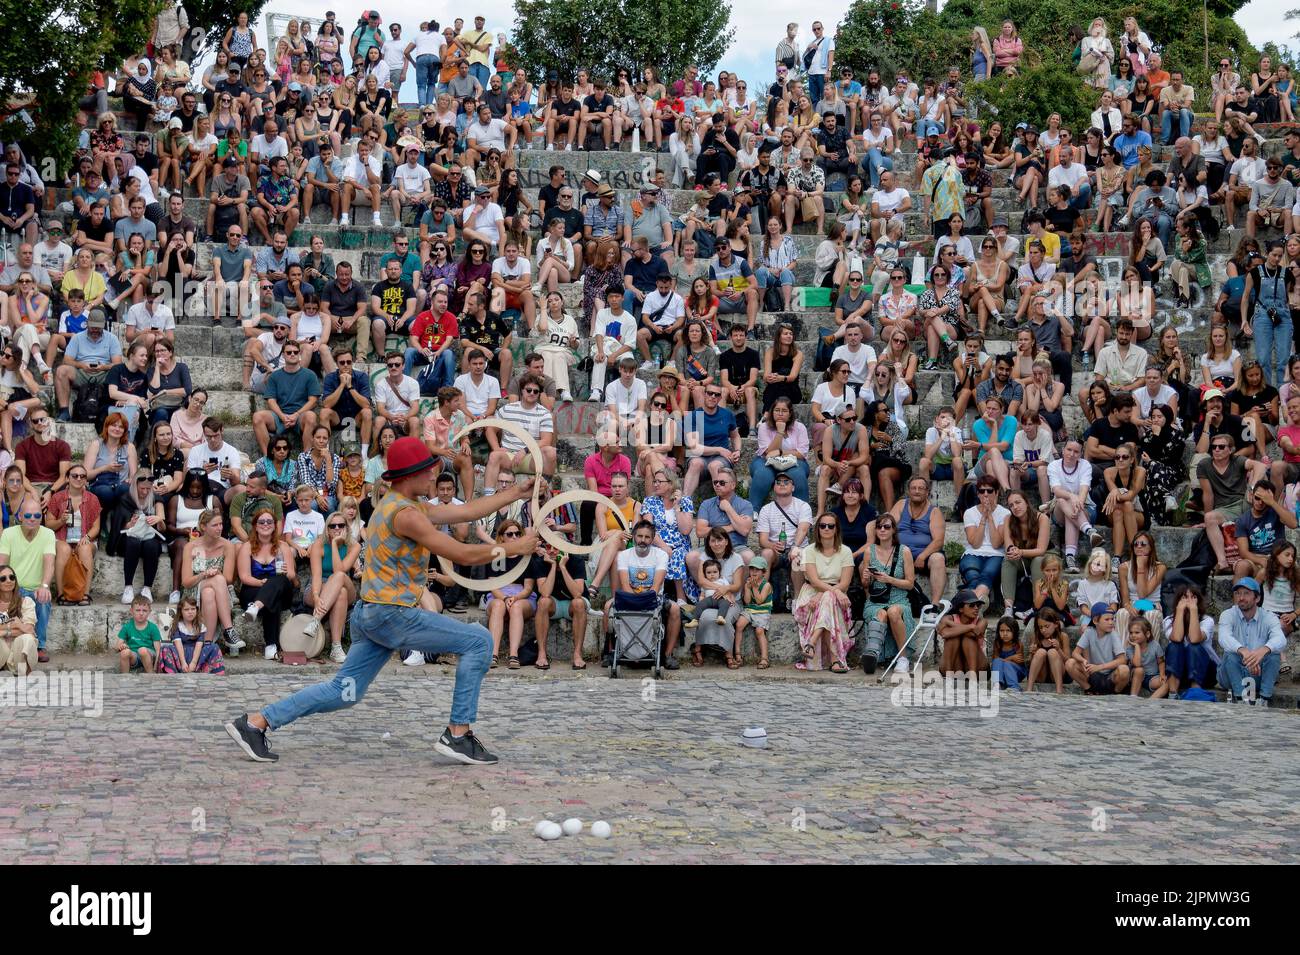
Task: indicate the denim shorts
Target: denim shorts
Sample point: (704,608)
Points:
(976,569)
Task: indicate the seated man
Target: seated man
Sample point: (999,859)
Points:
(921,530)
(1099,662)
(512,279)
(397,398)
(734,284)
(740,366)
(345,394)
(412,186)
(324,182)
(783,525)
(613,336)
(277,201)
(712,441)
(292,395)
(149,320)
(485,333)
(392,303)
(1260,529)
(727,510)
(530,414)
(253,497)
(91,354)
(28,548)
(642,569)
(343,307)
(361,182)
(273,260)
(232,273)
(432,338)
(663,315)
(1252,642)
(44,458)
(1224,479)
(264,353)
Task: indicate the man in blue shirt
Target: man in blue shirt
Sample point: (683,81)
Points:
(89,357)
(712,440)
(292,394)
(346,394)
(727,510)
(1128,141)
(1252,642)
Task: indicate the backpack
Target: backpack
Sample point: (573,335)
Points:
(91,405)
(825,353)
(773,301)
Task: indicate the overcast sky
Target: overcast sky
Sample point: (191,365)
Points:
(759,25)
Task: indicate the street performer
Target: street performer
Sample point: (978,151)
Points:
(388,616)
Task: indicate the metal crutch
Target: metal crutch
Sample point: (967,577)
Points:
(930,617)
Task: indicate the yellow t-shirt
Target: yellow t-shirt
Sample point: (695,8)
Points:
(471,37)
(27,557)
(828,566)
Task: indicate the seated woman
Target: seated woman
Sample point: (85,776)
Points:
(136,508)
(1190,657)
(782,448)
(723,589)
(888,443)
(169,382)
(282,470)
(333,557)
(163,461)
(320,467)
(110,462)
(855,515)
(18,650)
(1049,648)
(1028,535)
(268,577)
(616,535)
(846,453)
(12,497)
(656,439)
(887,576)
(821,610)
(561,594)
(697,357)
(189,648)
(207,572)
(187,421)
(1140,578)
(22,392)
(183,513)
(73,514)
(963,634)
(514,603)
(1125,480)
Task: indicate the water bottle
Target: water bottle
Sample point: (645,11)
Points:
(279,565)
(74,529)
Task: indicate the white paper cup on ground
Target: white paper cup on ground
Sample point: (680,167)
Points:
(755,737)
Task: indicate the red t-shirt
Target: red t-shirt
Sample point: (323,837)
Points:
(1292,432)
(594,470)
(42,460)
(431,332)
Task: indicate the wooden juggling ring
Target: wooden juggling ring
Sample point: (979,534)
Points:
(563,546)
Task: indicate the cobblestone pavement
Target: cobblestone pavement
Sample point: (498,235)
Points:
(847,777)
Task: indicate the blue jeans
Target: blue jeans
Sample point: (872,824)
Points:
(873,163)
(378,630)
(1272,344)
(1190,662)
(976,570)
(426,77)
(1167,123)
(766,277)
(1233,672)
(925,126)
(762,477)
(1008,673)
(1082,199)
(816,86)
(444,364)
(1164,226)
(42,615)
(481,73)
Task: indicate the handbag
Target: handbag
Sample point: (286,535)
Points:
(782,462)
(1089,61)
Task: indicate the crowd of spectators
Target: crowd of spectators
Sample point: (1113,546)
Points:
(90,304)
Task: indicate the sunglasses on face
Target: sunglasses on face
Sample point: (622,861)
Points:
(509,534)
(29,515)
(713,394)
(7,578)
(987,490)
(265,521)
(336,527)
(826,527)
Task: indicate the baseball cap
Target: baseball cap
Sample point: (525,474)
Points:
(95,319)
(282,320)
(1250,583)
(999,221)
(965,598)
(54,225)
(758,563)
(230,161)
(174,123)
(1100,608)
(1211,393)
(482,191)
(783,476)
(295,87)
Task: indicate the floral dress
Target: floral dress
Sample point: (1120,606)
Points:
(816,610)
(653,509)
(210,659)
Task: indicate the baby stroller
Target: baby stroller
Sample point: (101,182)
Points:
(637,620)
(927,627)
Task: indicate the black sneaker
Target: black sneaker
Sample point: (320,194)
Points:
(251,740)
(607,660)
(670,663)
(464,749)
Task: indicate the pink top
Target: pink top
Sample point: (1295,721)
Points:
(796,438)
(594,469)
(183,432)
(1007,52)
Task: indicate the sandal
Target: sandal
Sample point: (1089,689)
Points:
(493,664)
(512,663)
(84,601)
(733,663)
(763,664)
(839,667)
(579,666)
(697,659)
(542,666)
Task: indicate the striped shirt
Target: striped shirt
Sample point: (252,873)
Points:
(396,568)
(536,421)
(603,223)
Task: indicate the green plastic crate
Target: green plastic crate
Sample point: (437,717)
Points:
(813,297)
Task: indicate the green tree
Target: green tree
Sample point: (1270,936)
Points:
(568,35)
(47,66)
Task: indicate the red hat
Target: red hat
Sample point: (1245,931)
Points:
(408,456)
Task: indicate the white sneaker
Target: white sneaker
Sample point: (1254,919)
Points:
(128,594)
(835,489)
(596,395)
(270,651)
(1171,504)
(568,147)
(375,218)
(1230,227)
(337,655)
(903,666)
(565,396)
(649,366)
(414,659)
(550,148)
(251,611)
(334,222)
(312,628)
(343,219)
(147,594)
(174,598)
